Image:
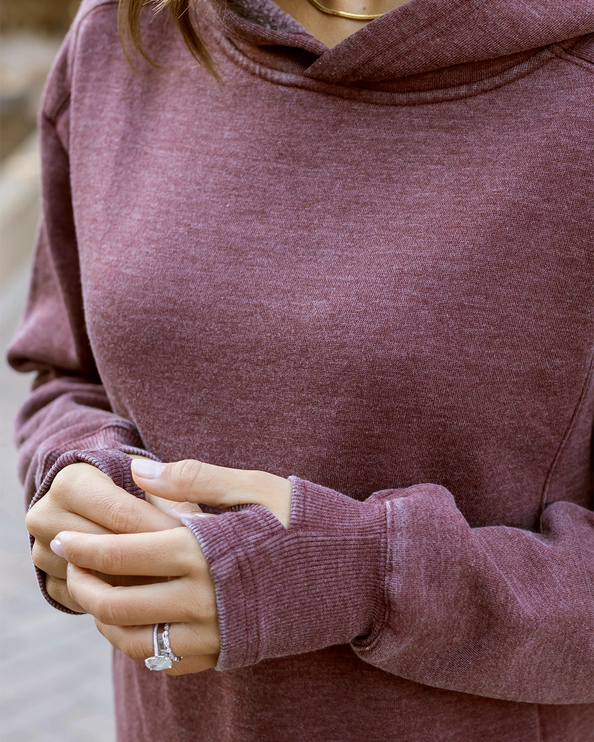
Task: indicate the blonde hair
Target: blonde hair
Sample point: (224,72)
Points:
(129,19)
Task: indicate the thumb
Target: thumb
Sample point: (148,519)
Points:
(199,482)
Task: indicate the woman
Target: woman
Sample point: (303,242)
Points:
(362,260)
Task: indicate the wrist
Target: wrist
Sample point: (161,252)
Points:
(283,592)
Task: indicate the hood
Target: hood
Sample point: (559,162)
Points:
(421,36)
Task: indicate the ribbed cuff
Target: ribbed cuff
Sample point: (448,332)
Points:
(284,591)
(111,461)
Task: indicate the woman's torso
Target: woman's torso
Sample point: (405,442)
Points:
(367,290)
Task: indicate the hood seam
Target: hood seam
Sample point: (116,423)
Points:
(448,10)
(374,97)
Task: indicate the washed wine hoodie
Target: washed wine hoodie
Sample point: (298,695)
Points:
(369,268)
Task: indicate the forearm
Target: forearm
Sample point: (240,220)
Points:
(418,593)
(62,416)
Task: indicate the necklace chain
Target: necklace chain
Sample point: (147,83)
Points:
(342,13)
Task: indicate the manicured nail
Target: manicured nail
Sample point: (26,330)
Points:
(56,547)
(147,469)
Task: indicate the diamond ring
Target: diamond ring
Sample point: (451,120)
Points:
(163,657)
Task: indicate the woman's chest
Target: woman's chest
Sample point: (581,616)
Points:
(418,297)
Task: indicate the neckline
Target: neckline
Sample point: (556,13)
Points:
(243,55)
(418,37)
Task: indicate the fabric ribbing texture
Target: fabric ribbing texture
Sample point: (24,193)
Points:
(369,268)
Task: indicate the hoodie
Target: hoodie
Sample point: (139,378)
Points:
(368,268)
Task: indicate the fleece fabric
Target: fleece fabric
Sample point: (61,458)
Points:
(369,268)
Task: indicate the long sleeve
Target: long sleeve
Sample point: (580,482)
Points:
(67,417)
(495,611)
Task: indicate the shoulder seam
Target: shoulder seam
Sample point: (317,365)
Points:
(84,14)
(84,11)
(57,110)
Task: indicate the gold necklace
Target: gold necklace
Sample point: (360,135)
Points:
(342,14)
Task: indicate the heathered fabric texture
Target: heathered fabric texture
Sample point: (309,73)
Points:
(371,268)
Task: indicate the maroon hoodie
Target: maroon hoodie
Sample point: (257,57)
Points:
(370,267)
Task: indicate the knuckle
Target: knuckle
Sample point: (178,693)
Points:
(75,480)
(58,590)
(111,560)
(104,610)
(187,473)
(201,563)
(61,482)
(34,519)
(212,641)
(188,565)
(66,479)
(202,608)
(123,516)
(191,558)
(134,649)
(39,554)
(53,587)
(73,590)
(76,553)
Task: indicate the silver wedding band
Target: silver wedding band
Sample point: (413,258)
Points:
(163,657)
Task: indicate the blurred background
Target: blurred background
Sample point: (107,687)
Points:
(55,675)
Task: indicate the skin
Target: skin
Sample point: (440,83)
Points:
(130,564)
(331,30)
(84,499)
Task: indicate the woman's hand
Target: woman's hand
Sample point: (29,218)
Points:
(82,498)
(192,481)
(126,615)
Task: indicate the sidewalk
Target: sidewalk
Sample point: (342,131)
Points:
(55,676)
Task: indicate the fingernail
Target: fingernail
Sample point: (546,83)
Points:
(56,547)
(147,469)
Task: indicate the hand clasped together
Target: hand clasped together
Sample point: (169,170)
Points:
(131,565)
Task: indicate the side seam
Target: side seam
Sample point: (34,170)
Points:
(580,403)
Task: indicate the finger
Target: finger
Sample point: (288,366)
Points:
(189,480)
(136,642)
(48,562)
(171,553)
(95,497)
(58,590)
(54,566)
(178,510)
(197,481)
(45,519)
(171,601)
(43,557)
